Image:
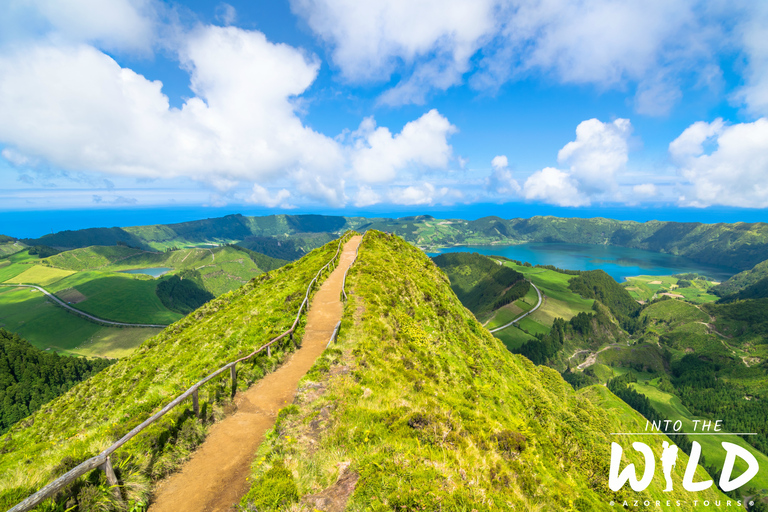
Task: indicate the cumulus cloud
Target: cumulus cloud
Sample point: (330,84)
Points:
(77,108)
(724,165)
(270,199)
(501,181)
(598,153)
(754,94)
(226,14)
(435,44)
(645,190)
(424,194)
(555,187)
(377,155)
(113,24)
(372,39)
(366,196)
(594,159)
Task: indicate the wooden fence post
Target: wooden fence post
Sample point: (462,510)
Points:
(269,351)
(233,374)
(112,479)
(195,404)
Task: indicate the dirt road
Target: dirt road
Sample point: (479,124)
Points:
(214,479)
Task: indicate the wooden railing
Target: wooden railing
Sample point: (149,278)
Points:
(102,460)
(344,281)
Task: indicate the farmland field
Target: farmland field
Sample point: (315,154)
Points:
(27,312)
(40,275)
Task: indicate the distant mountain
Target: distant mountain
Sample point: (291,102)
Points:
(739,246)
(742,280)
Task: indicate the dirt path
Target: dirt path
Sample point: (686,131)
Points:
(214,479)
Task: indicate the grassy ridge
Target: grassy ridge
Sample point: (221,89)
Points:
(434,413)
(94,414)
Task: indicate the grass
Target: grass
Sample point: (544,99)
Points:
(95,413)
(512,337)
(27,312)
(118,297)
(646,287)
(40,275)
(434,413)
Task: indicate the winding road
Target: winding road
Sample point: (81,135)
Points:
(524,314)
(79,312)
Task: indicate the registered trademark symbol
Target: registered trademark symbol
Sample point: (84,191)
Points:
(751,503)
(611,503)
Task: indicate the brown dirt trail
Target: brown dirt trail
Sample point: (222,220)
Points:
(214,479)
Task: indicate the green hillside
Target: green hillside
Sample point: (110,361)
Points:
(97,412)
(481,283)
(743,280)
(30,377)
(431,412)
(740,246)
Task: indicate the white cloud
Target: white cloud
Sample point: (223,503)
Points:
(226,14)
(372,39)
(270,199)
(423,194)
(434,44)
(754,94)
(733,173)
(501,181)
(366,196)
(377,156)
(645,190)
(595,159)
(598,153)
(555,187)
(78,109)
(500,162)
(112,24)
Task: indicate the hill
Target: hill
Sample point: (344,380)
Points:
(97,412)
(481,283)
(742,280)
(738,246)
(419,408)
(30,377)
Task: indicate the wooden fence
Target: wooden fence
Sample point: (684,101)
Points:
(344,281)
(102,460)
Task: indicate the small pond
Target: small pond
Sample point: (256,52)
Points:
(154,272)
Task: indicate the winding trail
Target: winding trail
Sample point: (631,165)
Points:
(214,479)
(524,314)
(80,312)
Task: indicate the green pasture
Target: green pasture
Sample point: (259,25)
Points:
(40,275)
(512,337)
(646,287)
(27,312)
(118,297)
(674,312)
(670,407)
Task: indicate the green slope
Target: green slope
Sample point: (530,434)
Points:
(743,280)
(96,413)
(433,413)
(740,246)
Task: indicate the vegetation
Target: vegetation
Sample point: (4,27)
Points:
(742,280)
(43,251)
(481,283)
(431,412)
(30,377)
(690,287)
(183,293)
(740,246)
(95,413)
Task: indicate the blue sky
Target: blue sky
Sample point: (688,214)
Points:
(402,106)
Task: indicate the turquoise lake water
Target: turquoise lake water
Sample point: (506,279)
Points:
(618,262)
(154,272)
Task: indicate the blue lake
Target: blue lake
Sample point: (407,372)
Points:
(618,262)
(154,272)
